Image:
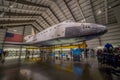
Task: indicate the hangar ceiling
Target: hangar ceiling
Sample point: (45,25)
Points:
(41,14)
(45,13)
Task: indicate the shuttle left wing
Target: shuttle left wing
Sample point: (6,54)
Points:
(16,43)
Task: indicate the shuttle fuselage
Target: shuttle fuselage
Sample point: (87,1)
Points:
(67,32)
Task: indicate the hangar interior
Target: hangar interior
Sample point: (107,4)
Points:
(22,16)
(41,14)
(28,17)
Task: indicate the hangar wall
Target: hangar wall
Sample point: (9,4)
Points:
(117,13)
(2,35)
(112,36)
(16,30)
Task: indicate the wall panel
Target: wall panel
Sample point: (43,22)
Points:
(112,36)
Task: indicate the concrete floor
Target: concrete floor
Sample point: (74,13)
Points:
(65,70)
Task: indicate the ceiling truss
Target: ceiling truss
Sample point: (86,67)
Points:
(45,13)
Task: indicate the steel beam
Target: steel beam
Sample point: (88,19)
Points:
(22,25)
(60,9)
(14,24)
(99,38)
(34,4)
(23,33)
(81,12)
(35,27)
(46,20)
(4,43)
(69,10)
(106,11)
(19,14)
(4,37)
(17,25)
(19,21)
(40,25)
(54,14)
(100,41)
(25,2)
(93,11)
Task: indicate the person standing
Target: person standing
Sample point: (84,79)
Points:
(3,57)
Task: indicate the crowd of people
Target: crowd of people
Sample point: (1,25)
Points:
(109,56)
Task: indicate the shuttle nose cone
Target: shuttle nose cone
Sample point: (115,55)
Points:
(100,29)
(103,29)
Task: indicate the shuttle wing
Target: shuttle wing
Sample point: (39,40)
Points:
(16,43)
(40,44)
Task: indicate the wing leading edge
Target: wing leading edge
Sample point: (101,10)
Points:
(16,43)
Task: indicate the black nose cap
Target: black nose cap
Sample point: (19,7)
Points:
(105,31)
(102,32)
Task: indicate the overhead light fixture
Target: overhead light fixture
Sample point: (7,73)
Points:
(99,12)
(83,20)
(11,6)
(100,47)
(14,30)
(109,7)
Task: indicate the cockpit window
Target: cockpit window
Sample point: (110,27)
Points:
(86,26)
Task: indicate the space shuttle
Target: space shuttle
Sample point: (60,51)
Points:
(66,32)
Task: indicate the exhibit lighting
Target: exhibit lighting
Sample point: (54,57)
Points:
(67,49)
(109,7)
(83,20)
(11,6)
(14,30)
(100,47)
(99,12)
